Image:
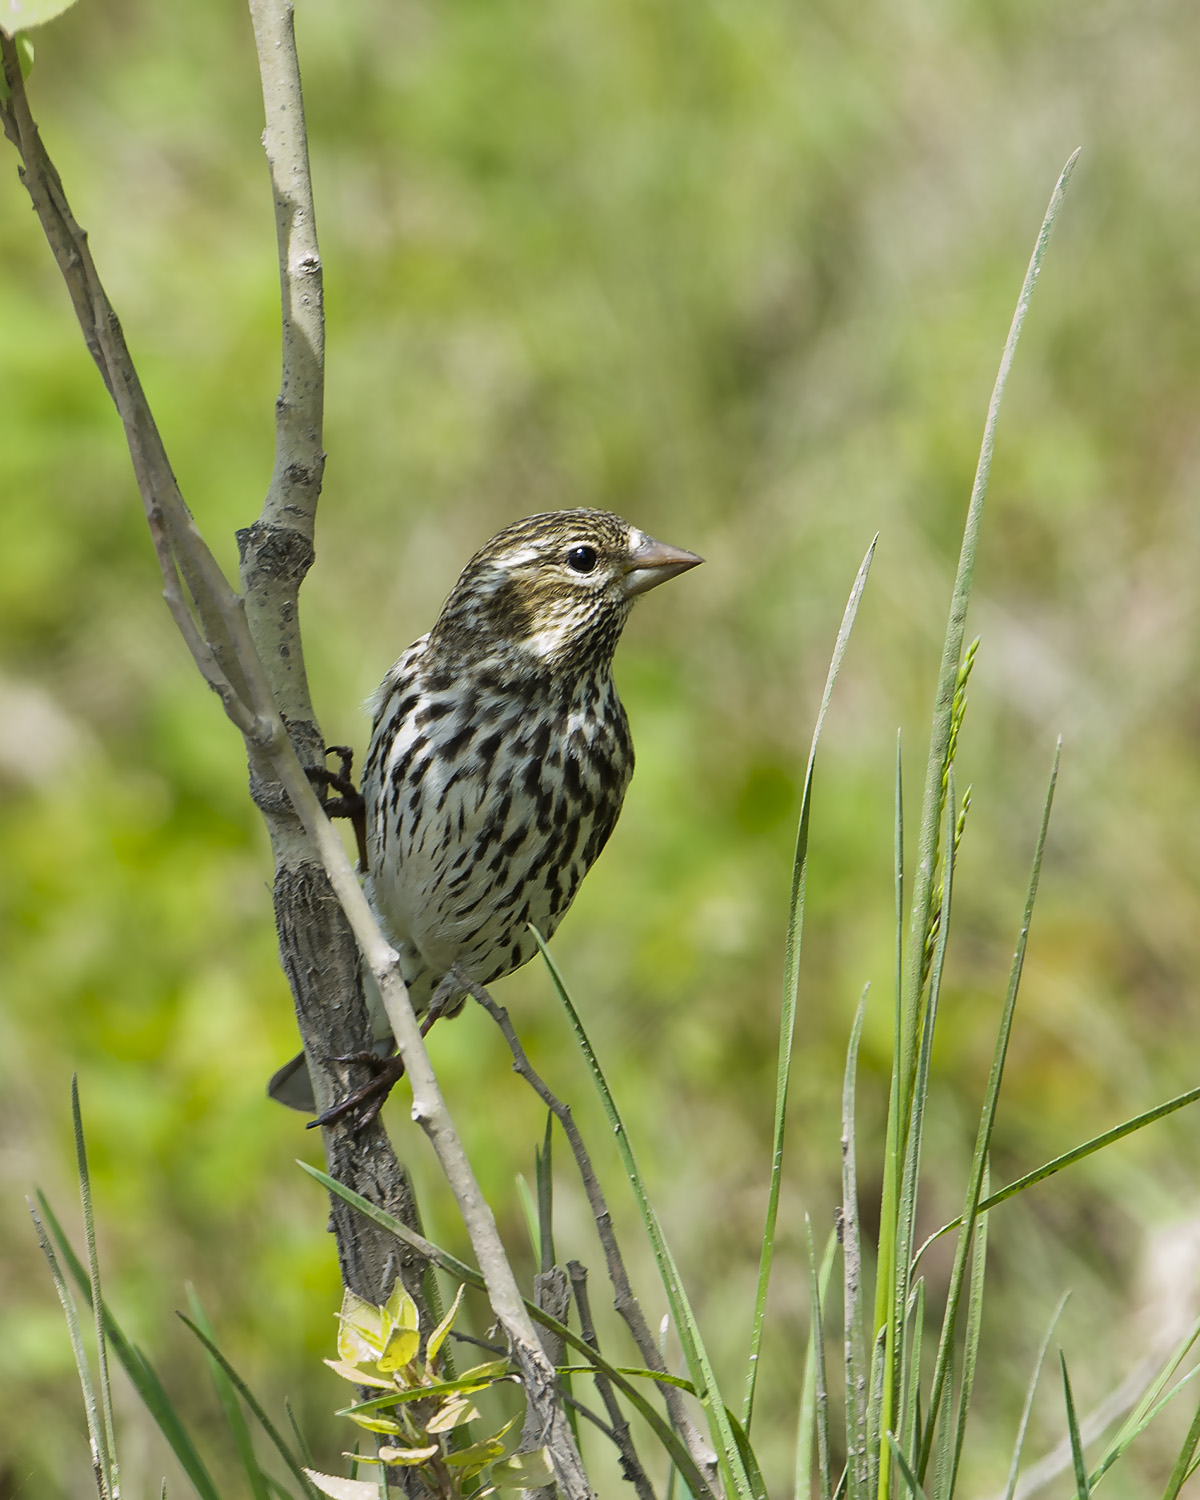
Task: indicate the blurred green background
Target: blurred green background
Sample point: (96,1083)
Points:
(741,272)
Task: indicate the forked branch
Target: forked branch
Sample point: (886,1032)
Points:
(219,638)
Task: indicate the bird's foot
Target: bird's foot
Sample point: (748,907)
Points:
(386,1073)
(349,803)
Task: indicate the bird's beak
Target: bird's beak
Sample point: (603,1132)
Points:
(651,563)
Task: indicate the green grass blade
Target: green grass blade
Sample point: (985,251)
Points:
(911,1436)
(886,1257)
(857,1367)
(141,1373)
(1010,1488)
(1068,1159)
(463,1272)
(255,1406)
(230,1404)
(302,1447)
(108,1450)
(895,1368)
(733,1470)
(1151,1403)
(806,1425)
(545,1196)
(986,1121)
(529,1210)
(911,1481)
(939,745)
(1081,1481)
(791,984)
(971,1345)
(875,1409)
(820,1389)
(945,1438)
(1183,1464)
(75,1333)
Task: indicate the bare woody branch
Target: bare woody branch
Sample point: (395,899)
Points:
(630,1467)
(230,661)
(624,1300)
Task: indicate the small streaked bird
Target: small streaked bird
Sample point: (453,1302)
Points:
(499,759)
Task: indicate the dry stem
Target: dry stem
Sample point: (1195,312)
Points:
(624,1300)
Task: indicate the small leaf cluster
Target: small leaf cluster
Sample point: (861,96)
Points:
(422,1406)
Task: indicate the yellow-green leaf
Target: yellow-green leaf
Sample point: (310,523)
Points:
(377,1424)
(352,1372)
(360,1330)
(438,1337)
(402,1346)
(408,1457)
(453,1414)
(400,1311)
(481,1452)
(493,1370)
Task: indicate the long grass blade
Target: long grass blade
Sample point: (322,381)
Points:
(75,1333)
(875,1409)
(544,1161)
(463,1272)
(806,1426)
(141,1373)
(791,984)
(911,1436)
(886,1256)
(971,1344)
(108,1452)
(986,1121)
(1014,1468)
(1151,1403)
(912,1483)
(230,1405)
(945,1438)
(737,1476)
(854,1314)
(907,1210)
(1184,1463)
(1069,1159)
(820,1389)
(939,746)
(1081,1479)
(252,1401)
(302,1447)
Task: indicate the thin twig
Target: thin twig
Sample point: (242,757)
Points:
(624,1300)
(630,1466)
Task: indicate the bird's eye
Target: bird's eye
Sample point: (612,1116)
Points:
(581,559)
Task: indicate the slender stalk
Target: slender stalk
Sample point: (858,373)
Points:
(739,1471)
(857,1368)
(791,985)
(1023,1426)
(984,1134)
(626,1304)
(630,1466)
(108,1452)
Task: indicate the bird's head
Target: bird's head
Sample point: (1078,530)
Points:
(552,592)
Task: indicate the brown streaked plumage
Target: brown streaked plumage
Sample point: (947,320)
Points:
(500,754)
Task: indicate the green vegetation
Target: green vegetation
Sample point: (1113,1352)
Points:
(740,273)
